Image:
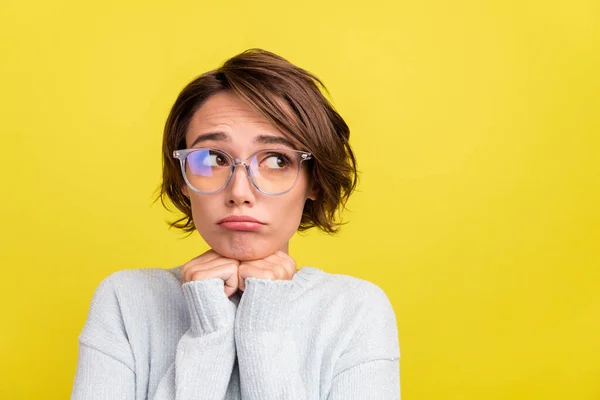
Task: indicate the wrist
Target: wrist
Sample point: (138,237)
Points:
(266,305)
(209,307)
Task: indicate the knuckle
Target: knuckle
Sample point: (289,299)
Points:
(284,273)
(231,261)
(232,267)
(243,269)
(198,276)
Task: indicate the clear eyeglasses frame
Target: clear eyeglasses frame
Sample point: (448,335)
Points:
(251,166)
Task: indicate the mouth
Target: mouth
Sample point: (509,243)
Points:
(240,223)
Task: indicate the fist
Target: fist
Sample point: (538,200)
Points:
(278,266)
(210,265)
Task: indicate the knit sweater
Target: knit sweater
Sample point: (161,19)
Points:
(148,335)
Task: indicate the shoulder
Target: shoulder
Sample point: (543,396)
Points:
(355,294)
(126,295)
(348,306)
(359,317)
(120,308)
(132,294)
(120,287)
(133,281)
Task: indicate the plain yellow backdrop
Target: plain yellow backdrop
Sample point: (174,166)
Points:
(475,124)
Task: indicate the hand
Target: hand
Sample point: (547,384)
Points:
(212,265)
(278,266)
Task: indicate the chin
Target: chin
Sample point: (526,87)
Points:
(241,249)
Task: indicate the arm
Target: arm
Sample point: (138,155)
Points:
(105,364)
(206,352)
(378,379)
(268,356)
(204,359)
(100,375)
(369,368)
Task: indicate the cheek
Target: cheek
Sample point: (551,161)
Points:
(201,209)
(287,212)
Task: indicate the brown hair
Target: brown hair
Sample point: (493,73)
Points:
(291,99)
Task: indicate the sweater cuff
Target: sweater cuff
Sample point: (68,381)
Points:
(209,307)
(267,305)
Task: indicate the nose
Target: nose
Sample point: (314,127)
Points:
(240,190)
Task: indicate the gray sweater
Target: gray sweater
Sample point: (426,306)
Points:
(148,335)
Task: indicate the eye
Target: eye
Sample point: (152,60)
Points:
(214,159)
(276,161)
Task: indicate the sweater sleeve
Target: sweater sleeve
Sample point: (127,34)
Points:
(204,358)
(268,356)
(105,364)
(206,353)
(369,367)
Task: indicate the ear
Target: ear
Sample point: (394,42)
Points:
(313,191)
(184,190)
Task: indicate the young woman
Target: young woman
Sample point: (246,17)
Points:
(252,152)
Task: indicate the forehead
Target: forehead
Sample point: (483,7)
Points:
(226,112)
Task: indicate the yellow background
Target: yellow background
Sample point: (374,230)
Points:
(476,128)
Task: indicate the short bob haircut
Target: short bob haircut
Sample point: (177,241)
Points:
(291,99)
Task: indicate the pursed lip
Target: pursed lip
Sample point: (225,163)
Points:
(239,218)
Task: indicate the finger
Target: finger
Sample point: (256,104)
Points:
(204,257)
(283,269)
(207,256)
(278,271)
(285,260)
(247,270)
(192,267)
(227,272)
(261,263)
(189,272)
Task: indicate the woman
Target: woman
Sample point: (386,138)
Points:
(252,152)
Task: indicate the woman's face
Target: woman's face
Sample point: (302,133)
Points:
(243,131)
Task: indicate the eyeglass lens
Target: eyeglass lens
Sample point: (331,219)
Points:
(207,170)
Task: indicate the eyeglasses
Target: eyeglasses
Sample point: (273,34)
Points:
(271,171)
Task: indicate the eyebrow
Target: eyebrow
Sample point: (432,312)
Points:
(223,137)
(216,136)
